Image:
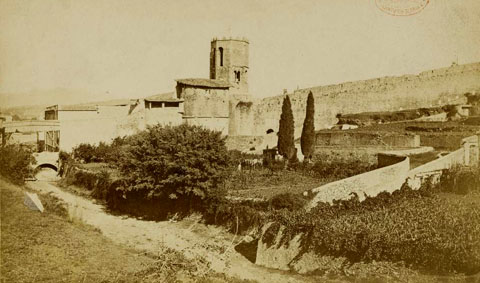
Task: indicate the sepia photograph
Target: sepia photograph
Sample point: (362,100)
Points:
(239,141)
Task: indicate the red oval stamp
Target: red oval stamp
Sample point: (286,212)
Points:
(401,7)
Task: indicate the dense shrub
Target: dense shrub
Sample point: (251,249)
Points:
(460,180)
(15,162)
(288,201)
(103,152)
(85,179)
(85,152)
(237,217)
(184,163)
(338,167)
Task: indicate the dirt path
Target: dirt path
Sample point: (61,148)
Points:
(195,240)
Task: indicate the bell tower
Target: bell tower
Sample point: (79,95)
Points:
(229,62)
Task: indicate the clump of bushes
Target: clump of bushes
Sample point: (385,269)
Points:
(16,161)
(98,184)
(237,217)
(102,152)
(288,201)
(338,167)
(460,180)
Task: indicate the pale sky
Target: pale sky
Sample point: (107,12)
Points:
(138,48)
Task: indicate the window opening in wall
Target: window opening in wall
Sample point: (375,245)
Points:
(171,104)
(237,76)
(221,55)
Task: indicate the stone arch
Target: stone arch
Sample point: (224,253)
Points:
(47,165)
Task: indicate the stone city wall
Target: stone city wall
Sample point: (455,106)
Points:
(427,89)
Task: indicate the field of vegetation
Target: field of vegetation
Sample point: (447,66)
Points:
(435,229)
(166,170)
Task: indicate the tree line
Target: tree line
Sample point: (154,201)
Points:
(286,131)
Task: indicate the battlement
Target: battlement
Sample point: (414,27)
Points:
(391,82)
(243,39)
(426,89)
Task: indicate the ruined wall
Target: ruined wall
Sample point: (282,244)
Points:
(427,89)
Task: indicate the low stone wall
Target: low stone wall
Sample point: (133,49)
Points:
(387,159)
(365,154)
(467,155)
(391,157)
(244,143)
(356,138)
(389,178)
(449,141)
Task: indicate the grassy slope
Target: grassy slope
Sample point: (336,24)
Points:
(46,247)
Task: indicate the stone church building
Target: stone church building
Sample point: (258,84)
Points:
(221,102)
(216,103)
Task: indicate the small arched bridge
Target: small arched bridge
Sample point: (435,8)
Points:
(46,160)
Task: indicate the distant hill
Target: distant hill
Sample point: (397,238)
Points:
(31,105)
(49,97)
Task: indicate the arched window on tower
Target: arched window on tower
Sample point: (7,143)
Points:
(221,55)
(237,76)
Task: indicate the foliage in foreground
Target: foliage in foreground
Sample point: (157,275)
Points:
(15,161)
(161,170)
(427,228)
(183,161)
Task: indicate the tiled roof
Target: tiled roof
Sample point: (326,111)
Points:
(205,83)
(163,97)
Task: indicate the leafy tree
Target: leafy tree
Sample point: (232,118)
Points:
(16,161)
(179,162)
(85,152)
(307,140)
(286,139)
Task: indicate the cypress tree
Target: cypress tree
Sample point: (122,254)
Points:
(286,139)
(307,140)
